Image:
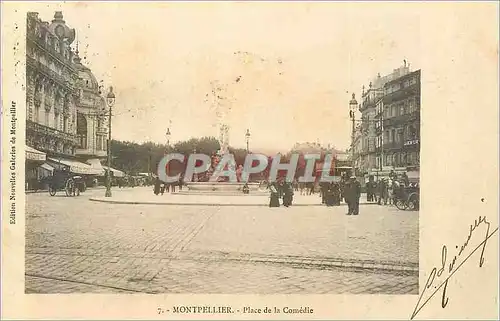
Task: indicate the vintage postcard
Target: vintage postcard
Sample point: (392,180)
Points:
(249,160)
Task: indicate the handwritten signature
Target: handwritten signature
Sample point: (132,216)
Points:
(450,266)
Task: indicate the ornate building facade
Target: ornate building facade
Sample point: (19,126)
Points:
(65,113)
(91,128)
(50,90)
(400,116)
(368,156)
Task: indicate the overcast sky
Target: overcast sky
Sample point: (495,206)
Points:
(297,64)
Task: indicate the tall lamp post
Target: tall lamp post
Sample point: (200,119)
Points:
(247,137)
(352,108)
(167,135)
(110,101)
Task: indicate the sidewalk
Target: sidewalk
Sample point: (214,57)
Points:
(144,195)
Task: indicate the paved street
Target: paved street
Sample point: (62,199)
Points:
(76,245)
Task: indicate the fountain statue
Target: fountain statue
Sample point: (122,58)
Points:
(222,106)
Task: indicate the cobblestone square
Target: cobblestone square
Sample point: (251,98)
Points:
(76,245)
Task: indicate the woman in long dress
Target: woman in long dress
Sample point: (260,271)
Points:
(287,194)
(157,186)
(274,198)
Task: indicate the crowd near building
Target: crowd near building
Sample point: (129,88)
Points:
(65,111)
(388,135)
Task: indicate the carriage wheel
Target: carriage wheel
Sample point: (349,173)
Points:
(400,204)
(52,191)
(413,202)
(70,185)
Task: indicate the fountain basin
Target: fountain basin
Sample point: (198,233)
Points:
(223,188)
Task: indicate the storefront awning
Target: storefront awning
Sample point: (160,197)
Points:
(96,166)
(47,167)
(35,155)
(116,172)
(75,166)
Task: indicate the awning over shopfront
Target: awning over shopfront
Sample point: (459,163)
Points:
(116,172)
(47,167)
(96,166)
(74,166)
(35,155)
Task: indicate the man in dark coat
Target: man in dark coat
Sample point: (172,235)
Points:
(355,194)
(347,196)
(381,191)
(336,193)
(329,194)
(370,189)
(325,186)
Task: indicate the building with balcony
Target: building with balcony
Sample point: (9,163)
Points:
(370,126)
(399,123)
(53,100)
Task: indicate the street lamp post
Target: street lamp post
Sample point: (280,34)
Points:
(352,108)
(110,101)
(247,137)
(168,134)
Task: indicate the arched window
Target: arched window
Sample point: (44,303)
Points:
(81,130)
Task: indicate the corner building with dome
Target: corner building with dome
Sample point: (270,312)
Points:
(66,121)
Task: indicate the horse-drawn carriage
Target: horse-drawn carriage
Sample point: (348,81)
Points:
(71,184)
(408,198)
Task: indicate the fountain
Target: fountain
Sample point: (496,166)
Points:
(220,102)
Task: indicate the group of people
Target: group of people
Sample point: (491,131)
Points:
(281,190)
(332,193)
(161,187)
(386,191)
(348,189)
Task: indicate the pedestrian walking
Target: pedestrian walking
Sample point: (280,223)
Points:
(274,199)
(295,185)
(302,188)
(390,192)
(336,193)
(382,192)
(287,194)
(157,186)
(370,189)
(330,194)
(353,196)
(310,187)
(324,188)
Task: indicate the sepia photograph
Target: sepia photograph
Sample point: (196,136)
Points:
(249,160)
(99,216)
